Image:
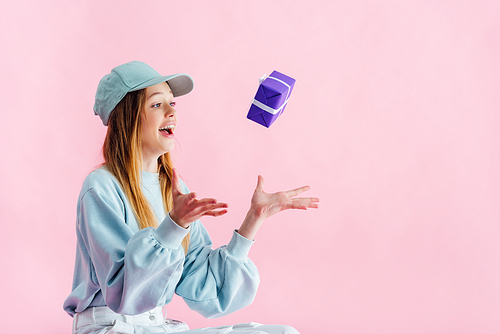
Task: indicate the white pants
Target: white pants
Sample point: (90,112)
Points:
(101,320)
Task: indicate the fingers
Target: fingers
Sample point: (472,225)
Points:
(302,203)
(206,205)
(213,210)
(207,201)
(210,207)
(295,192)
(289,193)
(190,198)
(191,209)
(314,203)
(260,183)
(215,213)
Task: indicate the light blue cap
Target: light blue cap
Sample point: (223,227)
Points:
(130,77)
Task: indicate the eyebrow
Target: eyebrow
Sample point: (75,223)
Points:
(155,93)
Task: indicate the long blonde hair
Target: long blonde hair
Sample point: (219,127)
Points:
(122,151)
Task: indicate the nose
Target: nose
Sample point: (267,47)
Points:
(170,112)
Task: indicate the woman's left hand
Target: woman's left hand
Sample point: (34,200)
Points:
(264,205)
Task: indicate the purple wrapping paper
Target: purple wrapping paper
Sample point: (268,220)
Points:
(271,99)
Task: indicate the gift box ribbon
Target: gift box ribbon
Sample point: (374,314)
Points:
(269,109)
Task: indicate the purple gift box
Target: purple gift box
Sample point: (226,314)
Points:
(271,99)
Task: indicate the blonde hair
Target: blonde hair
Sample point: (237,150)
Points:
(122,152)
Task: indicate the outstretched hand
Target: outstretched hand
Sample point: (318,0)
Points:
(264,205)
(187,208)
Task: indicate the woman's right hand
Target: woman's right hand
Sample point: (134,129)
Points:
(187,208)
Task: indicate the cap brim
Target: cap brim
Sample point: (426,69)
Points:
(180,84)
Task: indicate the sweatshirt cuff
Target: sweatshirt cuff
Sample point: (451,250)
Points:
(239,246)
(169,234)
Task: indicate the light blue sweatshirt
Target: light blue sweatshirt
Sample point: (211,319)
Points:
(133,271)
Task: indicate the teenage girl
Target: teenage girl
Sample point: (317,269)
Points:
(139,237)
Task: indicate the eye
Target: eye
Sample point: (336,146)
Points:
(172,104)
(156,105)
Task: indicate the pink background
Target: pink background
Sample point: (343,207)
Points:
(393,122)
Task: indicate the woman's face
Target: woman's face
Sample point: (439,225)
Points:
(158,122)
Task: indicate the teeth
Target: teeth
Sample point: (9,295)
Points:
(170,126)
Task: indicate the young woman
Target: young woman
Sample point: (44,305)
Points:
(139,238)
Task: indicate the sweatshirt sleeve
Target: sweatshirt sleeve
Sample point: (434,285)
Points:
(217,282)
(135,271)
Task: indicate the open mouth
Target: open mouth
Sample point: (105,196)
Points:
(169,129)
